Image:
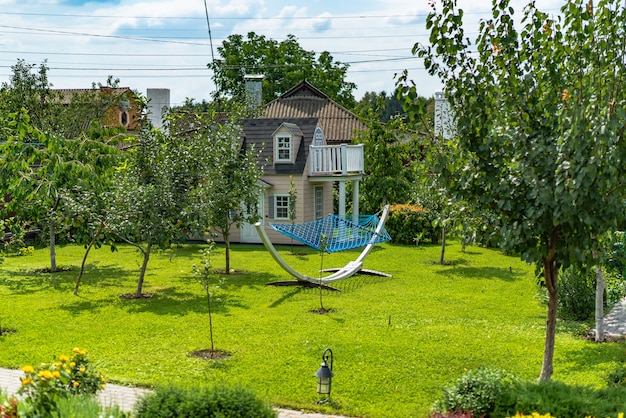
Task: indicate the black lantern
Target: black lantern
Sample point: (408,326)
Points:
(325,373)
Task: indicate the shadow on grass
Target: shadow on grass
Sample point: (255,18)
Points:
(592,354)
(29,281)
(498,273)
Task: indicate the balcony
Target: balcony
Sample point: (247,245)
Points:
(336,160)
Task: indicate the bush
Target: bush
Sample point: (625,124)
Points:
(219,401)
(577,294)
(407,222)
(45,385)
(476,391)
(560,400)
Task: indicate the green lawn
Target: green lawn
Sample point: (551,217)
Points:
(396,341)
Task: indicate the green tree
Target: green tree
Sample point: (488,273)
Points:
(230,192)
(539,115)
(284,64)
(61,137)
(389,152)
(154,201)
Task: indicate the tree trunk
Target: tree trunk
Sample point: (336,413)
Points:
(551,272)
(599,304)
(82,265)
(142,273)
(53,255)
(208,301)
(443,245)
(227,251)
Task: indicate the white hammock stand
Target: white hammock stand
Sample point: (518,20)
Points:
(350,269)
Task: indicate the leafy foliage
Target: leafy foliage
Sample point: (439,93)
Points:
(388,151)
(476,391)
(284,64)
(45,385)
(539,119)
(411,224)
(203,402)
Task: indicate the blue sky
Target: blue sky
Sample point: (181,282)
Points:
(165,44)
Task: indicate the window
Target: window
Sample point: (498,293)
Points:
(283,148)
(281,206)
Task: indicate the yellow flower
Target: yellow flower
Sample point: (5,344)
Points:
(28,369)
(76,350)
(620,415)
(27,381)
(73,364)
(46,374)
(56,374)
(63,358)
(82,370)
(76,384)
(565,95)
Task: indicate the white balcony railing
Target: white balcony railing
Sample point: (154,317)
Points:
(336,160)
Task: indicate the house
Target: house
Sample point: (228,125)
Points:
(306,139)
(295,150)
(123,111)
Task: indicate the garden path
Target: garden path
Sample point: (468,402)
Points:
(125,397)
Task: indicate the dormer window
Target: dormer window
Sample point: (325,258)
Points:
(287,139)
(283,149)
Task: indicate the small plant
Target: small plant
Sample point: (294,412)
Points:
(223,402)
(533,415)
(204,274)
(45,385)
(476,391)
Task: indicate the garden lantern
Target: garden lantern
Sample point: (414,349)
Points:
(325,373)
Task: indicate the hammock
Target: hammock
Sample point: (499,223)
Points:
(357,235)
(335,233)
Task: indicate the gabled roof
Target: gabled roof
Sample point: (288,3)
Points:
(291,127)
(304,100)
(260,131)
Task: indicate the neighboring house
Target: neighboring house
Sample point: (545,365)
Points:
(306,137)
(124,108)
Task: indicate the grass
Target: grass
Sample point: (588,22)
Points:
(396,341)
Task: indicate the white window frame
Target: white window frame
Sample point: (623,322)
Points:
(283,143)
(284,205)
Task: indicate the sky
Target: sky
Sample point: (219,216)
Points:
(168,44)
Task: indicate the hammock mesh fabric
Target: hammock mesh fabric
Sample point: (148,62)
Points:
(334,233)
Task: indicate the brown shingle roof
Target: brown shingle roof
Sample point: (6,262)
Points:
(305,101)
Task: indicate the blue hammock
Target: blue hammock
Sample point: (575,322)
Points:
(335,233)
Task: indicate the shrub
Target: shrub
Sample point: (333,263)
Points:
(475,391)
(407,222)
(45,385)
(577,290)
(219,401)
(560,400)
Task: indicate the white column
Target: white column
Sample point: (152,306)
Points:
(355,201)
(342,199)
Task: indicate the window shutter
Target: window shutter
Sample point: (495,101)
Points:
(271,206)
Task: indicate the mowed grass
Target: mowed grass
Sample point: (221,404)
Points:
(396,341)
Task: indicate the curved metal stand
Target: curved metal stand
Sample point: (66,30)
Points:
(350,269)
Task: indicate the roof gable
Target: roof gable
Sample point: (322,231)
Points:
(305,101)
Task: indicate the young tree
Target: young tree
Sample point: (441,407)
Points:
(153,198)
(230,192)
(539,115)
(47,134)
(284,64)
(40,168)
